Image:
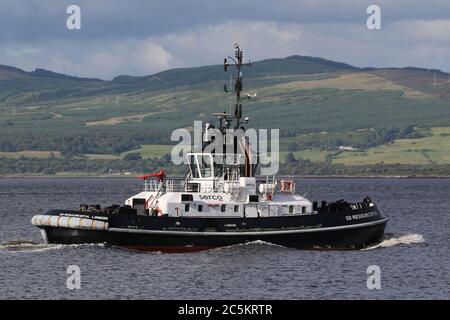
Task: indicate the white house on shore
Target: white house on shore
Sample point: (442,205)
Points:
(346,148)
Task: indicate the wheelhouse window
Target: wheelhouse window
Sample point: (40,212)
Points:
(201,165)
(187,197)
(205,166)
(193,166)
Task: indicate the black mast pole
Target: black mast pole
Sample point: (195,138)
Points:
(238,86)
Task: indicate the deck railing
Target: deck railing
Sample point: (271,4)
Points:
(185,185)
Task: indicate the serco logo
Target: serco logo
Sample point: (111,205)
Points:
(218,198)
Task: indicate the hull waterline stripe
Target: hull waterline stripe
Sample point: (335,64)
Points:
(253,233)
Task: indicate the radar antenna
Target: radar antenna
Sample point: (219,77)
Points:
(237,62)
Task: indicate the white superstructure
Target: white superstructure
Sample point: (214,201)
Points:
(218,191)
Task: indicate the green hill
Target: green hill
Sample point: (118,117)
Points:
(21,88)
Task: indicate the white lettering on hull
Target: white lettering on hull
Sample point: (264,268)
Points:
(361,216)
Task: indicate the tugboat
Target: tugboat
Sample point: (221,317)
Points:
(218,203)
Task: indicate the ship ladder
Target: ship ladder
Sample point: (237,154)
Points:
(154,201)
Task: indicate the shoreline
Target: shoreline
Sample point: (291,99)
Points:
(135,176)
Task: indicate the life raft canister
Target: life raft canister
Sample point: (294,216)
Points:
(268,197)
(287,186)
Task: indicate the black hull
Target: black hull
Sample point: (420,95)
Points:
(329,231)
(337,239)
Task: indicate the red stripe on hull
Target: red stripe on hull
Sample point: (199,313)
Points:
(168,249)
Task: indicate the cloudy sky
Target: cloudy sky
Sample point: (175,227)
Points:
(140,37)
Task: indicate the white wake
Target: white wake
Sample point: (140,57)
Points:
(390,241)
(30,246)
(255,243)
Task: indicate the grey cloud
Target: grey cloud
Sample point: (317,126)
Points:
(141,37)
(45,19)
(106,58)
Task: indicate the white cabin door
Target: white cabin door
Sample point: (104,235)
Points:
(251,211)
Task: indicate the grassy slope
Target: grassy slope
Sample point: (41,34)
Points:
(31,154)
(290,96)
(428,150)
(303,95)
(151,151)
(302,110)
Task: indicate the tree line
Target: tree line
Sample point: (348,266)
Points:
(135,164)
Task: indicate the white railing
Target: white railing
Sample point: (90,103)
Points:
(172,185)
(185,185)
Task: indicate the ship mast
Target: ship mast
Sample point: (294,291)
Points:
(237,63)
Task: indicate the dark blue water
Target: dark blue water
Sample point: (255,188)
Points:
(414,257)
